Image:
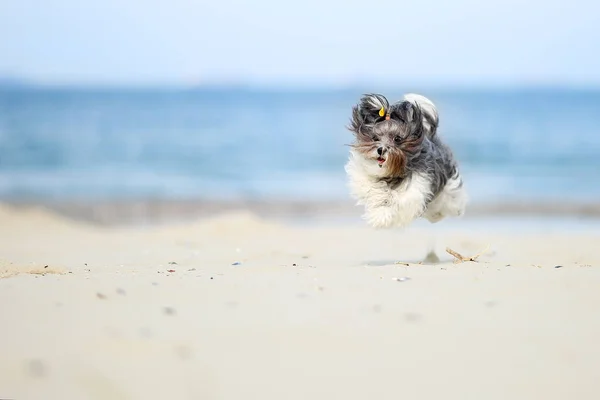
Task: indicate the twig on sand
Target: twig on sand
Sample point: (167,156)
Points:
(460,258)
(408,264)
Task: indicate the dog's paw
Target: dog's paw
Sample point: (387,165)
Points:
(405,219)
(408,211)
(380,217)
(434,217)
(455,208)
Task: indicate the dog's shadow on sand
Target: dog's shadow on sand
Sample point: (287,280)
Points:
(430,259)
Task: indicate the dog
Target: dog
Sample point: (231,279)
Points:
(399,169)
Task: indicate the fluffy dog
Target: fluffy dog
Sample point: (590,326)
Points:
(399,169)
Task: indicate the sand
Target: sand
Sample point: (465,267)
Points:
(242,307)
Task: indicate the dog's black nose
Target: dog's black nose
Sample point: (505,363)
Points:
(380,151)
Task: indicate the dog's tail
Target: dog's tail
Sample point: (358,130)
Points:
(429,110)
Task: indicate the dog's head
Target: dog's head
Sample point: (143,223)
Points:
(389,136)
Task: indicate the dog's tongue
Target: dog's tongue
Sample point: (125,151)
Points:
(380,160)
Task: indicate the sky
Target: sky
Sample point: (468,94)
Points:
(336,42)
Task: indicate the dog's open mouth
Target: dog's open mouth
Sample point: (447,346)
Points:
(380,161)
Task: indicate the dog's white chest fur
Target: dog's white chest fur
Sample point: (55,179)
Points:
(387,207)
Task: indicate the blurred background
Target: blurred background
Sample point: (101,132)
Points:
(114,110)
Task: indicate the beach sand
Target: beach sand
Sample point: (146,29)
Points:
(238,306)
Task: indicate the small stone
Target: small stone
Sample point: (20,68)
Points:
(100,296)
(236,263)
(172,263)
(558,266)
(36,369)
(121,292)
(183,352)
(192,269)
(293,265)
(169,311)
(412,317)
(170,270)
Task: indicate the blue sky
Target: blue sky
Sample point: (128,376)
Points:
(337,42)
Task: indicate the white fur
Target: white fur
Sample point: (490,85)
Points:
(374,101)
(398,207)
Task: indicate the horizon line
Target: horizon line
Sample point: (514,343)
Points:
(301,86)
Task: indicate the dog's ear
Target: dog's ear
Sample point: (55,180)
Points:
(370,109)
(410,114)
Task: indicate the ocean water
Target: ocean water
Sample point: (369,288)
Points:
(58,144)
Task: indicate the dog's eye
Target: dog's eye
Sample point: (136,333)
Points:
(398,139)
(375,138)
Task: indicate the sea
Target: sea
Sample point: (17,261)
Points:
(231,143)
